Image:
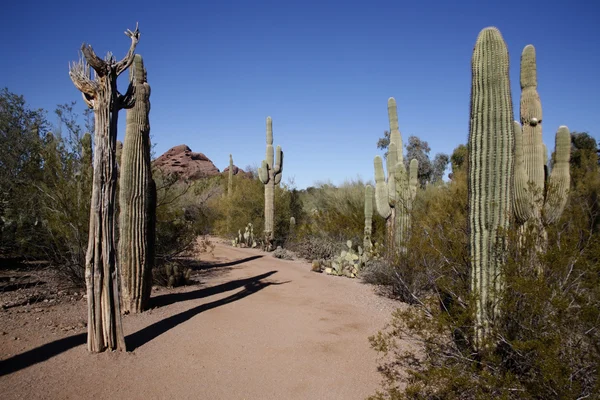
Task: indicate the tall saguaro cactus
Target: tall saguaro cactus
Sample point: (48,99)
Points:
(367,244)
(105,330)
(491,142)
(137,201)
(538,201)
(394,196)
(230,178)
(269,174)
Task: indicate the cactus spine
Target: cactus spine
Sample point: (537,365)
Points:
(269,174)
(394,197)
(491,142)
(537,201)
(368,218)
(137,199)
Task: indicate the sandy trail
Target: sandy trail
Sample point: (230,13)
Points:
(256,327)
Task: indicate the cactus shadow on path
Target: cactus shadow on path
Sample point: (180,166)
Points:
(151,332)
(171,298)
(143,336)
(201,265)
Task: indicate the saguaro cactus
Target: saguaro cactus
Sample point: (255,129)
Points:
(490,167)
(394,197)
(230,177)
(269,174)
(100,94)
(137,199)
(537,201)
(367,244)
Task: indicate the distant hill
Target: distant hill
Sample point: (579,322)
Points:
(182,161)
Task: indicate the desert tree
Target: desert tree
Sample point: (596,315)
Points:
(100,93)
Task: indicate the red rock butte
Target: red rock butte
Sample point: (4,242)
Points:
(185,163)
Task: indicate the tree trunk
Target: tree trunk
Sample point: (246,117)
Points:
(104,319)
(102,279)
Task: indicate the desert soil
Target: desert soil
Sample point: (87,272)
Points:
(251,327)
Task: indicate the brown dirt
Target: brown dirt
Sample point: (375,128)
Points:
(254,327)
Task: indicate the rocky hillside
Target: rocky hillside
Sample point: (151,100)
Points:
(181,160)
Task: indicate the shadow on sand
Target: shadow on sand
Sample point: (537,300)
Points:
(143,336)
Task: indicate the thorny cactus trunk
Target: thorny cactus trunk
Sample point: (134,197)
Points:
(100,94)
(368,218)
(537,202)
(229,194)
(394,197)
(490,166)
(136,199)
(269,174)
(230,176)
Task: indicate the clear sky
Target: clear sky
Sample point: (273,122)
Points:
(323,70)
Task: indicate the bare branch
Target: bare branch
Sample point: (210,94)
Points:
(126,100)
(80,75)
(99,65)
(128,59)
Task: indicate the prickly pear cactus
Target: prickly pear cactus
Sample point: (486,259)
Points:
(137,199)
(348,263)
(177,275)
(245,239)
(538,200)
(394,197)
(269,174)
(491,142)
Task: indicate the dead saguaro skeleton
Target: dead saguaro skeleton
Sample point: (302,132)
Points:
(100,93)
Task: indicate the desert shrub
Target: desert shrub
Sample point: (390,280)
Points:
(46,187)
(246,205)
(182,214)
(283,254)
(317,248)
(437,247)
(545,343)
(332,216)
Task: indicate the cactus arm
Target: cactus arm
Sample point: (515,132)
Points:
(381,190)
(531,121)
(263,172)
(522,195)
(413,178)
(557,191)
(391,163)
(403,205)
(278,167)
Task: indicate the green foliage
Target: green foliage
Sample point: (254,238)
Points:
(245,205)
(182,213)
(459,158)
(21,143)
(337,213)
(46,186)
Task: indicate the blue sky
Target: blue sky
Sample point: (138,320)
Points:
(323,70)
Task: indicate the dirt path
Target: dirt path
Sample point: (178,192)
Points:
(256,327)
